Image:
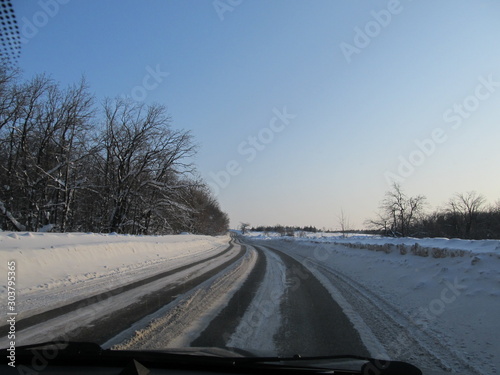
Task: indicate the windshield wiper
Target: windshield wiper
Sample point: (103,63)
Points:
(91,354)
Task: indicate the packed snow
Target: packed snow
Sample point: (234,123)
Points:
(180,322)
(251,334)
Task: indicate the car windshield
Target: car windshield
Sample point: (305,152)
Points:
(268,177)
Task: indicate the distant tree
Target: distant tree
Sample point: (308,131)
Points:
(399,213)
(280,229)
(344,223)
(310,228)
(465,209)
(380,224)
(451,221)
(207,217)
(243,227)
(493,221)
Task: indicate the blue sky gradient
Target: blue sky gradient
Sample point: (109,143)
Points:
(354,119)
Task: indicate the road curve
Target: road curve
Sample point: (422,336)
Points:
(259,299)
(220,329)
(313,323)
(114,323)
(278,308)
(310,322)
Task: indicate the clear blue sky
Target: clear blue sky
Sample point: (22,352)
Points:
(356,84)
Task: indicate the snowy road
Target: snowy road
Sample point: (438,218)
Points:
(265,302)
(293,302)
(281,297)
(246,295)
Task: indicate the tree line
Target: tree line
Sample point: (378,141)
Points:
(284,230)
(465,215)
(69,164)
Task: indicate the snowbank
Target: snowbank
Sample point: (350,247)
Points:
(47,261)
(434,247)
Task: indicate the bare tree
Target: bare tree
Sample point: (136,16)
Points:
(206,217)
(399,212)
(280,229)
(40,144)
(68,167)
(141,163)
(495,207)
(16,224)
(9,95)
(465,208)
(244,227)
(344,223)
(67,130)
(381,223)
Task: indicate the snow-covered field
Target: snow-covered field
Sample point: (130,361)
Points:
(449,289)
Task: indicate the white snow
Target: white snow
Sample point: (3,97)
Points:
(454,298)
(53,268)
(252,333)
(181,321)
(449,288)
(474,246)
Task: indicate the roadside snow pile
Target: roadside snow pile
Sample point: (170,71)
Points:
(425,247)
(51,264)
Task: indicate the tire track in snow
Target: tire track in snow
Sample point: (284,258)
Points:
(220,330)
(291,312)
(403,339)
(63,291)
(180,323)
(61,310)
(395,334)
(113,321)
(109,326)
(313,323)
(262,319)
